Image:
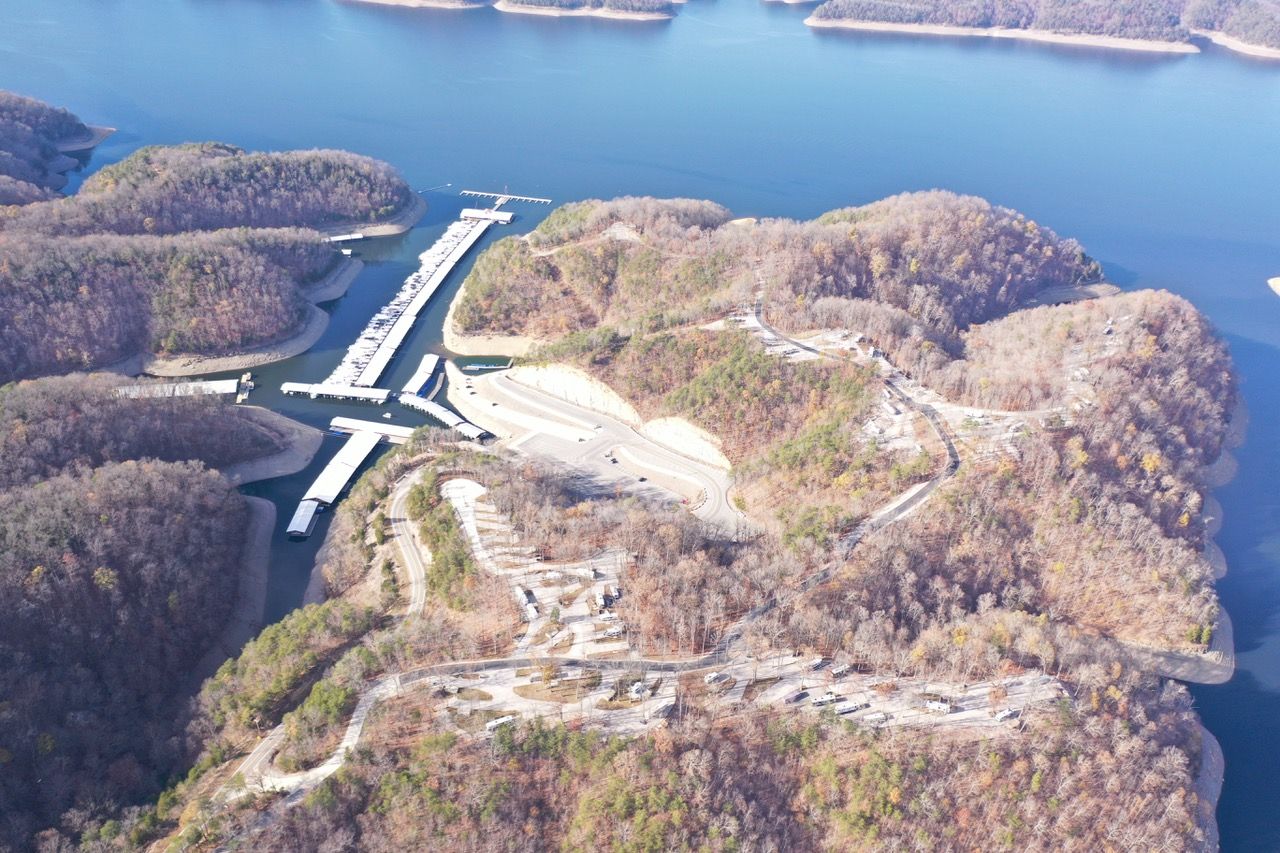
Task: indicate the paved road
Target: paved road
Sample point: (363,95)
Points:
(407,541)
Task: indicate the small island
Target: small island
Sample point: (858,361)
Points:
(1245,26)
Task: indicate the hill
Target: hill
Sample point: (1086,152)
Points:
(195,249)
(1256,22)
(118,565)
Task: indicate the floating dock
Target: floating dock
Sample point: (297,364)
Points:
(336,392)
(179,389)
(332,480)
(422,375)
(392,433)
(443,415)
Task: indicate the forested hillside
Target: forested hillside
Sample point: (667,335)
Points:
(29,132)
(662,7)
(190,249)
(118,564)
(644,264)
(76,422)
(1253,21)
(206,186)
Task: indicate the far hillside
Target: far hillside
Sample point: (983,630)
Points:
(1255,22)
(30,162)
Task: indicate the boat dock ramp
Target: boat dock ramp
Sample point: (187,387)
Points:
(195,388)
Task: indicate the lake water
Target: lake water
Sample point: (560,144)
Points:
(1166,168)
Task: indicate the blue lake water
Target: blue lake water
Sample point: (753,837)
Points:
(1167,168)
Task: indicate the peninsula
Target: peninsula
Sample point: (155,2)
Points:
(1246,26)
(783,518)
(177,259)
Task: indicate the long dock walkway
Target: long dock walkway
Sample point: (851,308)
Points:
(368,357)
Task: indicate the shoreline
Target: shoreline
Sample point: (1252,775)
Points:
(425,4)
(245,620)
(334,283)
(193,365)
(1257,51)
(511,346)
(97,135)
(301,443)
(393,227)
(611,14)
(1208,785)
(1043,36)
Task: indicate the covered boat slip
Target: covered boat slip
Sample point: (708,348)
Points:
(333,479)
(304,519)
(392,433)
(336,392)
(422,375)
(179,389)
(443,415)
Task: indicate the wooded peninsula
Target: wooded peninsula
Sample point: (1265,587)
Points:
(970,548)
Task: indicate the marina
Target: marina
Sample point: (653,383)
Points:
(368,357)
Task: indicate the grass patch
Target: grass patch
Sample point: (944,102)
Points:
(474,721)
(757,686)
(565,691)
(472,694)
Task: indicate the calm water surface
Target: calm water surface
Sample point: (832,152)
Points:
(1167,168)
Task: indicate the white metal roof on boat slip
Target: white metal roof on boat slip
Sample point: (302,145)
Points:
(423,374)
(342,467)
(303,517)
(396,434)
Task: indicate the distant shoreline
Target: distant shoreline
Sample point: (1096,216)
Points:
(1142,45)
(1237,45)
(612,14)
(427,4)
